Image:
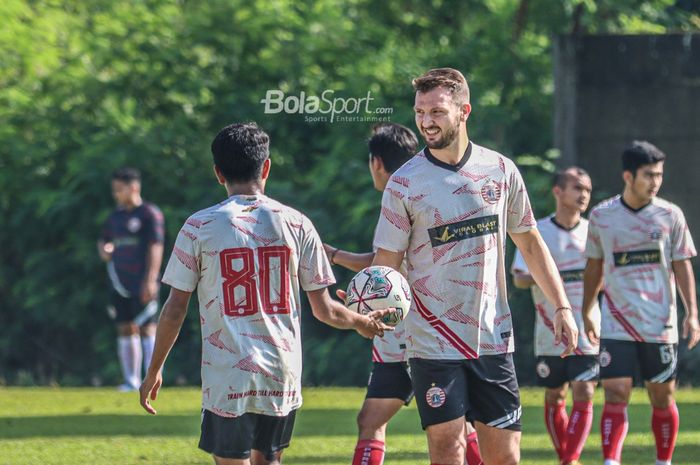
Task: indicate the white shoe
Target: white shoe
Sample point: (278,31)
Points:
(126,387)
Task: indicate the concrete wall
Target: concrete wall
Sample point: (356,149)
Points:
(610,90)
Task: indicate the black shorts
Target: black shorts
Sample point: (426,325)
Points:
(390,381)
(554,371)
(234,438)
(483,389)
(130,309)
(658,363)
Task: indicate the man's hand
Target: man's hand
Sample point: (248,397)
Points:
(105,250)
(149,291)
(149,390)
(565,330)
(691,330)
(373,326)
(591,330)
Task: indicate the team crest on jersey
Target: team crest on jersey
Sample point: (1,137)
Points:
(604,358)
(543,370)
(491,191)
(133,225)
(655,234)
(435,397)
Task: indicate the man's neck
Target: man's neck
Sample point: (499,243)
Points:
(251,188)
(634,201)
(567,218)
(454,152)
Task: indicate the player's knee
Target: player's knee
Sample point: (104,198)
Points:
(366,422)
(555,395)
(617,393)
(505,456)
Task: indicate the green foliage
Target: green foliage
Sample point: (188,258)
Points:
(86,87)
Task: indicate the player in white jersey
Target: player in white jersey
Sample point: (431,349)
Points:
(247,257)
(448,210)
(389,386)
(564,232)
(641,246)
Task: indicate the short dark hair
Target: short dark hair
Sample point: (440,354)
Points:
(448,78)
(393,143)
(640,153)
(127,175)
(562,177)
(240,150)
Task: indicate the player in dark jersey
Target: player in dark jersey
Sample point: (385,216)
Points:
(389,386)
(131,244)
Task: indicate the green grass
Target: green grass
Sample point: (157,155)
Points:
(102,427)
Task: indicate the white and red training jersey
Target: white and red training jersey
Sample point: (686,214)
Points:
(391,347)
(452,221)
(567,247)
(248,257)
(638,248)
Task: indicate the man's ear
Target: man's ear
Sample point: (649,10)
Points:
(219,176)
(266,169)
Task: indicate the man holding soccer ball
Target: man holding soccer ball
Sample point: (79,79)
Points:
(448,210)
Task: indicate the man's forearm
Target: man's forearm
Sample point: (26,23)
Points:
(169,325)
(543,269)
(592,282)
(685,279)
(154,259)
(353,261)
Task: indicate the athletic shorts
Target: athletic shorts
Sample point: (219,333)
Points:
(483,389)
(234,438)
(658,363)
(553,371)
(130,309)
(390,381)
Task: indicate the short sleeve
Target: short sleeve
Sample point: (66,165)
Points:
(519,217)
(393,231)
(314,268)
(682,246)
(155,231)
(594,246)
(183,270)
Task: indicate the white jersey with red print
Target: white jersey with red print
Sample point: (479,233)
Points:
(451,221)
(567,247)
(391,347)
(637,248)
(247,258)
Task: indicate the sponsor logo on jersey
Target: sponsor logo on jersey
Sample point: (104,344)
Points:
(491,192)
(461,230)
(569,276)
(133,225)
(604,358)
(637,257)
(435,397)
(543,370)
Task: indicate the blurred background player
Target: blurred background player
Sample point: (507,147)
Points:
(640,247)
(247,257)
(564,232)
(131,244)
(448,210)
(389,386)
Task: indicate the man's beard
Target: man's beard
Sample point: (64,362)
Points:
(448,136)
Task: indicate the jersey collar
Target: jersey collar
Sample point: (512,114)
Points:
(561,226)
(463,161)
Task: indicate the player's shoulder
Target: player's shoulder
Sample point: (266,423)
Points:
(606,206)
(545,223)
(494,158)
(409,171)
(667,206)
(152,210)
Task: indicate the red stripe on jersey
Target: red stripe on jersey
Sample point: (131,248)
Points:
(375,356)
(548,323)
(626,325)
(444,330)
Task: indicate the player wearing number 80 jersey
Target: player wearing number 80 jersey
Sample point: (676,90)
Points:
(248,257)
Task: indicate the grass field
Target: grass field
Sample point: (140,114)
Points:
(102,427)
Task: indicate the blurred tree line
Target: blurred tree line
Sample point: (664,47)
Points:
(86,87)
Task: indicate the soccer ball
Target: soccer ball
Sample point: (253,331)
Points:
(379,287)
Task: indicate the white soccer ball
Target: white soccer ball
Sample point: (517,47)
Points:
(377,288)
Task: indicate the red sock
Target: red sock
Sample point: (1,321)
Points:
(473,454)
(664,423)
(368,452)
(556,420)
(577,430)
(613,429)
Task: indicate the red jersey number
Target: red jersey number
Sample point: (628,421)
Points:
(238,270)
